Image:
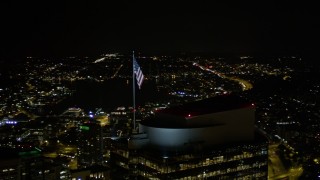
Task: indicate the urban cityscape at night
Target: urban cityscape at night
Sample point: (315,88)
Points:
(65,118)
(133,90)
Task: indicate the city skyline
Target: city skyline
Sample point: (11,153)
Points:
(91,28)
(238,80)
(48,104)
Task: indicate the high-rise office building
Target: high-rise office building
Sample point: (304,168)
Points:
(27,163)
(90,150)
(213,138)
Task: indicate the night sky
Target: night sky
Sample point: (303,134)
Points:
(75,28)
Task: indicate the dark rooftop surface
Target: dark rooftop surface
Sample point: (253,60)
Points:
(177,116)
(207,106)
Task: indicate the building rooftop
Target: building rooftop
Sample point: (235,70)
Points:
(207,106)
(181,116)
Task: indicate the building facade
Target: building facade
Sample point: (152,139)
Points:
(209,139)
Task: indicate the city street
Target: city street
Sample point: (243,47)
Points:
(276,169)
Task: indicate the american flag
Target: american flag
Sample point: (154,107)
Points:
(138,72)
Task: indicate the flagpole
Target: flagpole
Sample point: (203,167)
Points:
(134,94)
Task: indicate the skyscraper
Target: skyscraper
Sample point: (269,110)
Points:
(213,138)
(89,144)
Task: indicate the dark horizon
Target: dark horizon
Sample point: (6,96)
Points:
(92,28)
